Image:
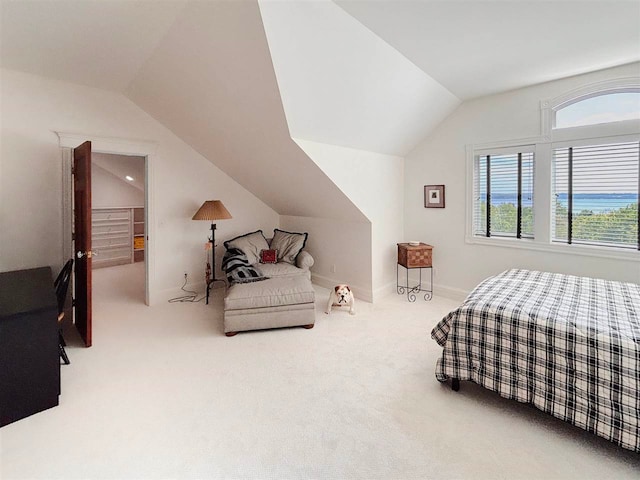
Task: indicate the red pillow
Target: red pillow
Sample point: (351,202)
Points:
(268,256)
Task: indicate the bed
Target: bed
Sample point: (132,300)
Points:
(568,345)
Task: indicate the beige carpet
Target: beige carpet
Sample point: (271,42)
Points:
(164,394)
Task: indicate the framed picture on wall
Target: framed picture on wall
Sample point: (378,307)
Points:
(434,196)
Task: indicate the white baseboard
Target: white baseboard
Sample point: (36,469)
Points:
(383,291)
(360,293)
(450,292)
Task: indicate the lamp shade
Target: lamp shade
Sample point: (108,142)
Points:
(212,210)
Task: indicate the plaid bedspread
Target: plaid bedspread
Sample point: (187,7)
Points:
(568,345)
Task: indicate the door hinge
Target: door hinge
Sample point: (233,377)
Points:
(73,170)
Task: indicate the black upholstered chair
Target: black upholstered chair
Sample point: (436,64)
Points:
(61,285)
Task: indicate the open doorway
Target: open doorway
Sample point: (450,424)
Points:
(118,234)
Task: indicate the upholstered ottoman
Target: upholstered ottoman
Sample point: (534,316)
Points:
(273,303)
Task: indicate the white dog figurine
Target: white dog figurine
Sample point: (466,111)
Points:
(341,297)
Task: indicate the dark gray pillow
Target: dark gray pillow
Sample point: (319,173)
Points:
(236,265)
(288,245)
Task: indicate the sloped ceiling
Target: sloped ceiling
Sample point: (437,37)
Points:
(342,85)
(211,81)
(204,69)
(120,166)
(96,43)
(477,48)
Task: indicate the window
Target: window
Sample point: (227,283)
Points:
(503,195)
(596,194)
(607,108)
(587,178)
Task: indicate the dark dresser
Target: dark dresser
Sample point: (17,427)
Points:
(29,359)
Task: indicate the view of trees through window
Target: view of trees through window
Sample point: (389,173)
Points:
(596,194)
(594,181)
(596,227)
(505,182)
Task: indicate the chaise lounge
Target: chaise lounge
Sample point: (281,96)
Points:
(285,298)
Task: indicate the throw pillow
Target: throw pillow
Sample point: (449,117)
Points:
(288,245)
(269,256)
(236,266)
(250,243)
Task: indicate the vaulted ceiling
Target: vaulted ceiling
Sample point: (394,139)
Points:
(375,74)
(121,166)
(481,47)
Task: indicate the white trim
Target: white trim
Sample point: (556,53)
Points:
(384,291)
(574,249)
(493,151)
(506,144)
(549,107)
(601,130)
(469,189)
(450,292)
(583,142)
(67,205)
(542,189)
(543,169)
(120,146)
(498,148)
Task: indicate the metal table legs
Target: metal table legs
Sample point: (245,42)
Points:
(417,289)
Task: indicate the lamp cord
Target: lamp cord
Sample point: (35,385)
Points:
(191,298)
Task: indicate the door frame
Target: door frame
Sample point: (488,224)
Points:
(118,146)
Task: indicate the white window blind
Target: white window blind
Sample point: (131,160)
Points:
(596,194)
(503,195)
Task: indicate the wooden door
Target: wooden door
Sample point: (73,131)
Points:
(82,242)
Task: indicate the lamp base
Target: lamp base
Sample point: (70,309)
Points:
(211,282)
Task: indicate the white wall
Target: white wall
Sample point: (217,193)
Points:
(222,98)
(31,178)
(340,244)
(375,184)
(440,159)
(108,191)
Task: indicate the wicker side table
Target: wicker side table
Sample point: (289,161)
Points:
(411,257)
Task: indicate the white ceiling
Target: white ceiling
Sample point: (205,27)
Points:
(204,69)
(476,48)
(472,48)
(341,84)
(120,166)
(97,43)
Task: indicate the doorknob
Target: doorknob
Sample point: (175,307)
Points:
(88,254)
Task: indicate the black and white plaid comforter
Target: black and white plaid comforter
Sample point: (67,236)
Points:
(569,345)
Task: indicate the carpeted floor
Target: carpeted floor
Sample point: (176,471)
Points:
(164,394)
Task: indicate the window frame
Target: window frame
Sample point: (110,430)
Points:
(632,138)
(498,151)
(549,108)
(543,171)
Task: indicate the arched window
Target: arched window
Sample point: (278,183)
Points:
(596,165)
(607,108)
(599,109)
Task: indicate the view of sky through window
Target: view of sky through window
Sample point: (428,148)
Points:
(614,107)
